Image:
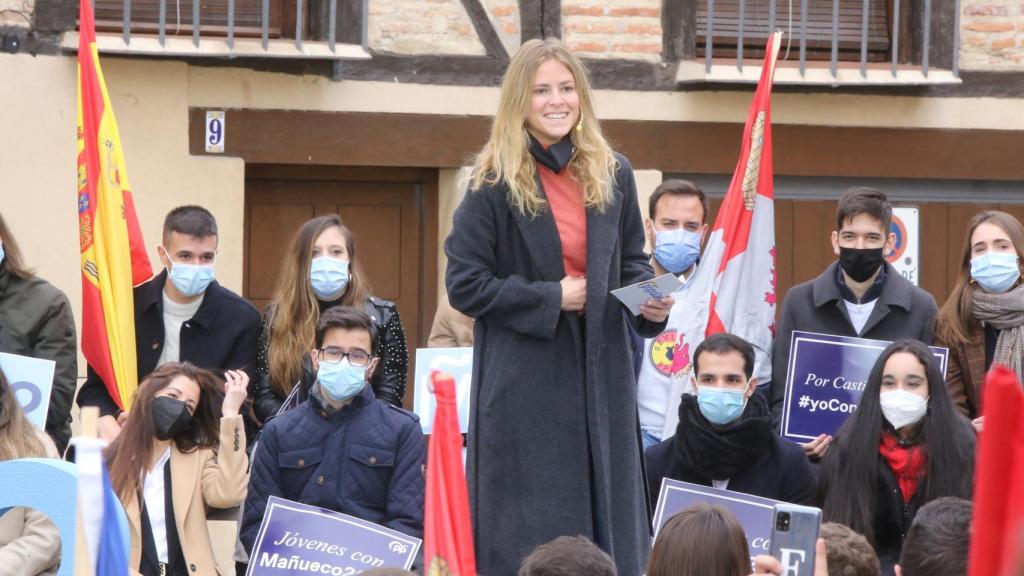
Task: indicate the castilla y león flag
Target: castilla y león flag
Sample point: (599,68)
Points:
(113,254)
(447,532)
(733,288)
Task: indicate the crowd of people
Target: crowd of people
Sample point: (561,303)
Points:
(567,447)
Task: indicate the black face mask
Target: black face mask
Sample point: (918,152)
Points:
(860,263)
(170,417)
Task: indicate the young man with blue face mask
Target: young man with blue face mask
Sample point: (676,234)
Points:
(675,229)
(183,314)
(342,449)
(725,437)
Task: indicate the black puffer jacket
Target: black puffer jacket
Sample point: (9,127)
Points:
(388,381)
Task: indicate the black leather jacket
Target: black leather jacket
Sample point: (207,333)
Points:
(388,382)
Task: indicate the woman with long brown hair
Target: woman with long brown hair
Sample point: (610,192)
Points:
(982,321)
(702,540)
(321,271)
(181,450)
(549,226)
(29,541)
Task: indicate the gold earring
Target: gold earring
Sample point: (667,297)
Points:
(579,126)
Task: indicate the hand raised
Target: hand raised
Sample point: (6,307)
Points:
(236,384)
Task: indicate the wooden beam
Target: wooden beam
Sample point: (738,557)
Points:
(485,29)
(420,140)
(531,19)
(551,19)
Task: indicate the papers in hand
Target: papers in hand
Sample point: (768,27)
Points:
(654,289)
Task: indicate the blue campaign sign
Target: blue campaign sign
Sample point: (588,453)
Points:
(31,380)
(455,361)
(825,379)
(51,487)
(753,512)
(299,539)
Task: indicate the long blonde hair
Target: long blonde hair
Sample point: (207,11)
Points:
(505,158)
(956,325)
(18,438)
(295,309)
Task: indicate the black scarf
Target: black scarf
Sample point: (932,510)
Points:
(555,157)
(706,451)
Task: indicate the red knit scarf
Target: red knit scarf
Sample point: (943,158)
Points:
(907,464)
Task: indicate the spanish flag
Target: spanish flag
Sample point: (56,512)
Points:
(113,254)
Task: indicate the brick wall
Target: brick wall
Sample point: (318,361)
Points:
(421,27)
(629,29)
(16,13)
(504,15)
(992,35)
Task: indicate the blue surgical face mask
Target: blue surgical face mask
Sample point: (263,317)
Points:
(190,279)
(721,405)
(995,271)
(328,277)
(341,381)
(676,250)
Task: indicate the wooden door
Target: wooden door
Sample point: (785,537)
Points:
(803,229)
(392,214)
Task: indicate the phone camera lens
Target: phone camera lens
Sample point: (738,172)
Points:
(782,521)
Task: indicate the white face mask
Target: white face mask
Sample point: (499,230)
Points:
(902,408)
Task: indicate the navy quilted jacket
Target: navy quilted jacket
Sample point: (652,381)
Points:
(366,460)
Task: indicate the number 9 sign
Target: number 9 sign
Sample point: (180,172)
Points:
(215,131)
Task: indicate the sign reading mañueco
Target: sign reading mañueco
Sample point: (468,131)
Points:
(825,379)
(296,539)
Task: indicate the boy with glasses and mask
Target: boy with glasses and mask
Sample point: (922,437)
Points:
(342,449)
(675,229)
(724,438)
(183,314)
(858,295)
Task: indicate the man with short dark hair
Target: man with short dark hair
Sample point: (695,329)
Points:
(849,553)
(183,314)
(939,540)
(724,437)
(859,294)
(675,230)
(342,449)
(568,556)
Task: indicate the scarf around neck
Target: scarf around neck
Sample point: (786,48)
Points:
(907,463)
(705,451)
(555,157)
(1004,312)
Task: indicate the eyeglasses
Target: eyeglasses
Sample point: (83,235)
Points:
(335,355)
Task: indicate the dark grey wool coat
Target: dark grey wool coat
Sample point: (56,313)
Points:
(553,441)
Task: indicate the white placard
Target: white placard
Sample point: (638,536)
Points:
(455,361)
(215,127)
(904,258)
(656,288)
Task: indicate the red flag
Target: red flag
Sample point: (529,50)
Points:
(113,253)
(447,532)
(733,288)
(998,520)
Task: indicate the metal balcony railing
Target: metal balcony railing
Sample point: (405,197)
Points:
(224,28)
(834,41)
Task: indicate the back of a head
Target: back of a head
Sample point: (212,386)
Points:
(939,539)
(702,540)
(568,556)
(849,553)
